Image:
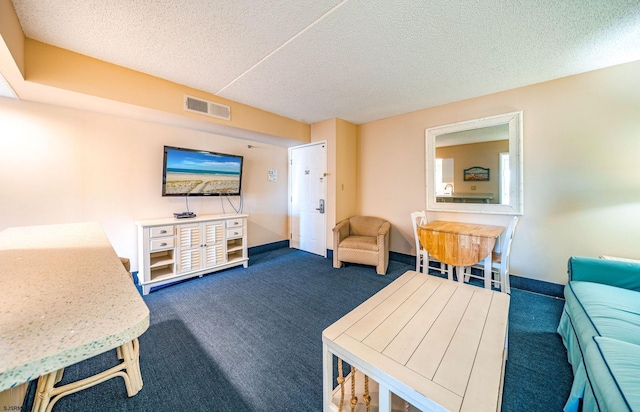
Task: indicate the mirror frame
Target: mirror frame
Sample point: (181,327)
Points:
(516,202)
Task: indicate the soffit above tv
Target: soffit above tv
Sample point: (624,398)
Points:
(207,108)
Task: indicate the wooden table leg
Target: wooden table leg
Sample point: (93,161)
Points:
(327,377)
(43,391)
(130,352)
(384,398)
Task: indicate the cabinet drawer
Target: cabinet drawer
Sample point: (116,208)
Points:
(162,243)
(234,233)
(234,223)
(161,231)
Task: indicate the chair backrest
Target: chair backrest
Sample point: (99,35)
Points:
(418,219)
(365,225)
(505,246)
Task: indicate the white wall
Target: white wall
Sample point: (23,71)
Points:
(61,165)
(581,169)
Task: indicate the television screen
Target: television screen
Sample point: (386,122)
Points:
(188,172)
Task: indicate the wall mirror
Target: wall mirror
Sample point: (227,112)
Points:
(476,166)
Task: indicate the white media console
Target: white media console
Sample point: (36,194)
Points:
(175,249)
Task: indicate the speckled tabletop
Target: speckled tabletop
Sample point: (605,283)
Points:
(64,297)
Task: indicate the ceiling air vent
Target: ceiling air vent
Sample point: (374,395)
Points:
(220,111)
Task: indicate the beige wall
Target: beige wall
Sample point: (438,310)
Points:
(341,137)
(61,165)
(581,169)
(346,170)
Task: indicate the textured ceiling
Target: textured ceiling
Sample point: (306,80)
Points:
(356,60)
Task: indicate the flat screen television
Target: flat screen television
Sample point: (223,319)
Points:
(188,172)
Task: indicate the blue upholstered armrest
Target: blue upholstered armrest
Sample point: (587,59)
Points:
(609,272)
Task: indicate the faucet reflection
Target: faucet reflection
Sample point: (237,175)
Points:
(447,186)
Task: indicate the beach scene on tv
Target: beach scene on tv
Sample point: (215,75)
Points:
(201,173)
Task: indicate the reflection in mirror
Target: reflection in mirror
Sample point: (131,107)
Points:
(476,166)
(478,151)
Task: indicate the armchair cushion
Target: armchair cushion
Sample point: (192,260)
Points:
(360,242)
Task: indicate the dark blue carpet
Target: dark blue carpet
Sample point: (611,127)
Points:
(250,340)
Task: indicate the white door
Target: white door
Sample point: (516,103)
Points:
(307,189)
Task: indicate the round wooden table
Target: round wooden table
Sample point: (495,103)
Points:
(460,244)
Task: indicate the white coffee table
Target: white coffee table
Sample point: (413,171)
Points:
(436,344)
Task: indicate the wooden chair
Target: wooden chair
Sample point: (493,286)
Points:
(423,260)
(499,260)
(362,239)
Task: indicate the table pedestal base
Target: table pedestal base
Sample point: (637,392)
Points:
(47,394)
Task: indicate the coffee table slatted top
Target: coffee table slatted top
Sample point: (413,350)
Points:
(433,342)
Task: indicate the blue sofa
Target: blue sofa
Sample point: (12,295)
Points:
(600,327)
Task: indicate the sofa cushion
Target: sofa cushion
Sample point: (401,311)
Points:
(605,310)
(613,373)
(593,309)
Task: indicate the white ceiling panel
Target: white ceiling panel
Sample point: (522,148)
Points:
(392,57)
(198,43)
(359,60)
